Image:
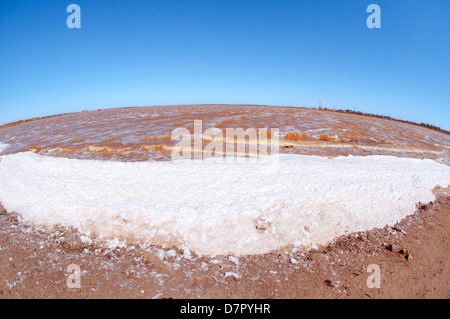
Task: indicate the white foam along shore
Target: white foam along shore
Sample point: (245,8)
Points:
(218,208)
(3,147)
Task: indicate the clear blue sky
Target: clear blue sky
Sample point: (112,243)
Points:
(162,52)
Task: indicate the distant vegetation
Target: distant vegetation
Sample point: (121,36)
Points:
(39,118)
(429,126)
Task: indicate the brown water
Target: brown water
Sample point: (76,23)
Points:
(140,134)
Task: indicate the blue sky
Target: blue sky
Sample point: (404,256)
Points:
(282,52)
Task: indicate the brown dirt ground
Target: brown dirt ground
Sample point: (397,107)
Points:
(413,257)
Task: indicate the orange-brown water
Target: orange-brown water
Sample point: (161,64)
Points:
(139,134)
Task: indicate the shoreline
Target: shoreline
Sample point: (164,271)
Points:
(412,255)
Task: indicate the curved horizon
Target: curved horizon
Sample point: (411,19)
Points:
(354,112)
(304,53)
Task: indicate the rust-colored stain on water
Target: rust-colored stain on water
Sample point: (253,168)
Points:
(140,134)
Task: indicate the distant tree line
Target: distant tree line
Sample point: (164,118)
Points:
(429,126)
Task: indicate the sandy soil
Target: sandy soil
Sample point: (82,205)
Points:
(413,257)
